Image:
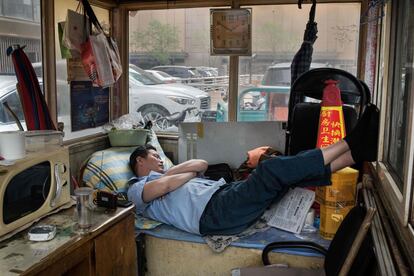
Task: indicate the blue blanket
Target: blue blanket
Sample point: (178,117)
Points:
(255,241)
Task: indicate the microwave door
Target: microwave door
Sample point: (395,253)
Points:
(26,192)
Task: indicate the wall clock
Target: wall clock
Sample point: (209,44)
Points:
(230,32)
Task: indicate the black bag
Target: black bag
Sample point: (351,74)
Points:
(217,171)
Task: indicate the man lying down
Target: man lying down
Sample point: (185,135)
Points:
(201,206)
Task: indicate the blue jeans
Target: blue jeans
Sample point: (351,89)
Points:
(236,206)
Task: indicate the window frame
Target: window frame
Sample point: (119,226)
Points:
(50,81)
(387,82)
(233,63)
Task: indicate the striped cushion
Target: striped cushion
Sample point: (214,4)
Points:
(108,169)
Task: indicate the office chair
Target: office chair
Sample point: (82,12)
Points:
(304,108)
(350,252)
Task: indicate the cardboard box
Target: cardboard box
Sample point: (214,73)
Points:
(342,191)
(331,219)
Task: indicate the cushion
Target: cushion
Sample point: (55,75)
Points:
(109,170)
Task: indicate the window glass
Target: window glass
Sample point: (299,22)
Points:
(22,9)
(13,102)
(277,34)
(14,30)
(63,87)
(36,10)
(176,42)
(402,85)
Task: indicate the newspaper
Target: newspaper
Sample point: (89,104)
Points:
(290,212)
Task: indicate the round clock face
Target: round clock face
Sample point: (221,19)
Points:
(231,31)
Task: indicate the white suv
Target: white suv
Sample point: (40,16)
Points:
(156,100)
(148,95)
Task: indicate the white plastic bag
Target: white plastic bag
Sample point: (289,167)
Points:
(96,60)
(113,52)
(100,50)
(76,30)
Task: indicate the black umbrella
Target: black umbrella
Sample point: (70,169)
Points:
(302,60)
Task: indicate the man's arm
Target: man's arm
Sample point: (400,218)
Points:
(193,165)
(165,184)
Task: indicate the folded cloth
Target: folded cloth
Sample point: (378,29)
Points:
(144,223)
(218,243)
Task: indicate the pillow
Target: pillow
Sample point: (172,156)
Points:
(153,140)
(108,169)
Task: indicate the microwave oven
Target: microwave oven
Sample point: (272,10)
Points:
(32,187)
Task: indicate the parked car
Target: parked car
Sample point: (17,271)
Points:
(156,100)
(270,100)
(184,72)
(279,74)
(148,95)
(164,77)
(204,73)
(207,71)
(8,93)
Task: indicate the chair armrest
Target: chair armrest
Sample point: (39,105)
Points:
(290,244)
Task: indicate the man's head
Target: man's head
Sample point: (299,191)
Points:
(145,159)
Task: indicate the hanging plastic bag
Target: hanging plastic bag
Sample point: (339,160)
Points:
(88,61)
(76,30)
(110,46)
(96,61)
(100,50)
(64,51)
(115,58)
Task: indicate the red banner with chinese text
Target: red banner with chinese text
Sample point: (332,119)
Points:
(331,126)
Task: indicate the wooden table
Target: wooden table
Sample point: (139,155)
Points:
(108,248)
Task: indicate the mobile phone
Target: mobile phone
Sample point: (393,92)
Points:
(42,233)
(124,203)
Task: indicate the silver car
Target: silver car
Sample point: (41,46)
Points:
(8,93)
(157,100)
(154,99)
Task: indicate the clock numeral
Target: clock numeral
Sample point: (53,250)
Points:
(231,43)
(224,42)
(238,42)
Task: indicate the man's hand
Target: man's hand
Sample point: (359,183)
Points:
(165,184)
(193,165)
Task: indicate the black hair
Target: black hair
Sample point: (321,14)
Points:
(141,151)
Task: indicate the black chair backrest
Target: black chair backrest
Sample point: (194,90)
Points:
(367,91)
(354,94)
(343,242)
